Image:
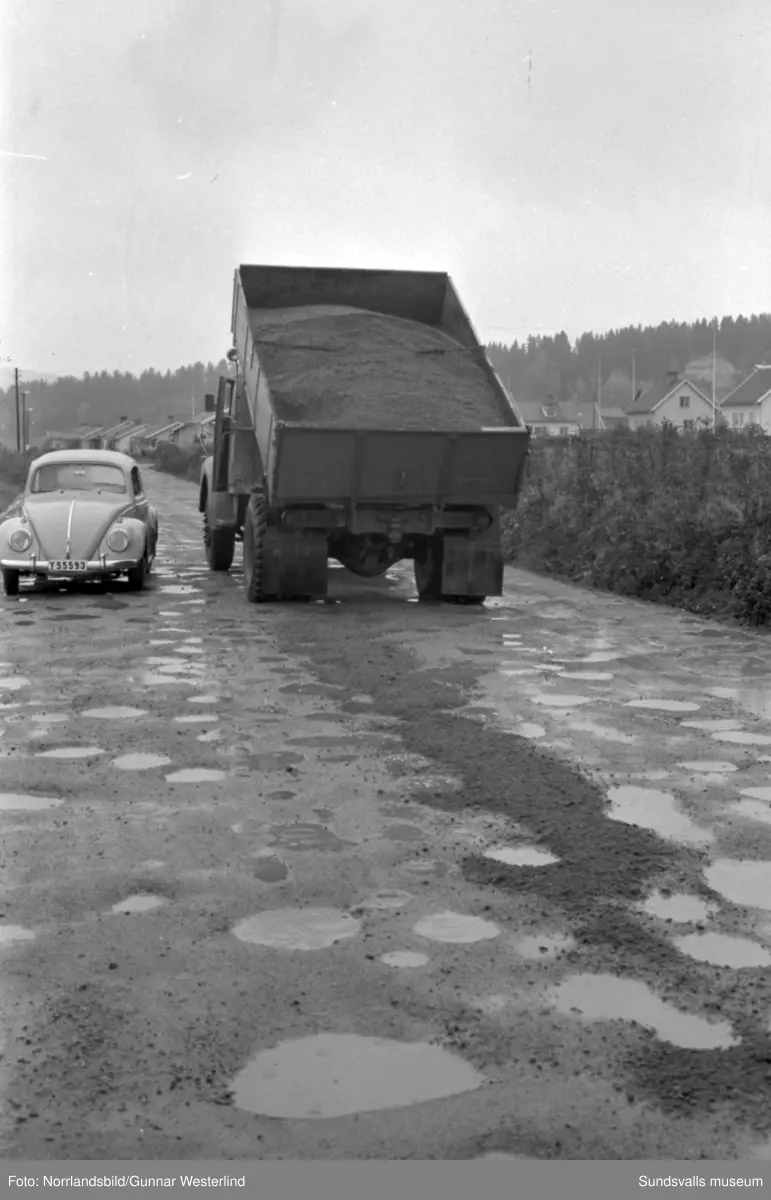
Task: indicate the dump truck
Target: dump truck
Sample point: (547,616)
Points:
(359,420)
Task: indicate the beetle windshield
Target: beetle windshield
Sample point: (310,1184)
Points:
(78,477)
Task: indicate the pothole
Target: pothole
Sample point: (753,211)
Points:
(270,869)
(649,808)
(608,998)
(70,752)
(757,793)
(335,1075)
(426,866)
(209,698)
(213,735)
(664,705)
(114,712)
(751,810)
(197,719)
(712,724)
(741,737)
(140,761)
(49,718)
(21,802)
(197,775)
(589,676)
(711,767)
(306,836)
(562,701)
(404,959)
(745,882)
(404,833)
(678,907)
(528,729)
(543,947)
(297,928)
(457,928)
(521,856)
(13,683)
(723,951)
(178,589)
(137,904)
(15,933)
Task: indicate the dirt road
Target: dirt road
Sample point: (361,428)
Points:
(249,853)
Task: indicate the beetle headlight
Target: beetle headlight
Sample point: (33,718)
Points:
(118,540)
(20,540)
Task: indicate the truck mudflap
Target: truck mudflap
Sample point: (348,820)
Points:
(471,567)
(295,564)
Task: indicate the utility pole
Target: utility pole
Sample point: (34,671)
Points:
(714,374)
(634,390)
(24,438)
(18,410)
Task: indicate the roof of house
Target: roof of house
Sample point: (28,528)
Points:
(166,429)
(89,431)
(751,390)
(659,393)
(114,430)
(134,431)
(534,412)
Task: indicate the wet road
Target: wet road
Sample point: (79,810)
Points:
(380,880)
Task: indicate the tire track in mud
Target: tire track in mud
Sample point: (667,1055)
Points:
(604,865)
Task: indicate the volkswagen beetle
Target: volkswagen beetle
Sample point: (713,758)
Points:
(83,515)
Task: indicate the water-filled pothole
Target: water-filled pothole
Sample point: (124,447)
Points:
(711,724)
(710,767)
(114,712)
(15,933)
(13,683)
(197,775)
(404,959)
(562,701)
(209,698)
(336,1075)
(178,589)
(138,904)
(297,928)
(607,998)
(678,907)
(306,836)
(404,833)
(652,809)
(722,950)
(197,719)
(456,928)
(49,718)
(270,868)
(751,810)
(529,729)
(757,793)
(521,856)
(745,882)
(741,737)
(665,705)
(21,802)
(140,761)
(70,752)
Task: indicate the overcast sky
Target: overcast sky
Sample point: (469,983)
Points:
(623,177)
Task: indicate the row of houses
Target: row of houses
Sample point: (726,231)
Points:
(128,437)
(678,401)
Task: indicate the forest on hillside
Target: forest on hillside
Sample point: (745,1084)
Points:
(534,368)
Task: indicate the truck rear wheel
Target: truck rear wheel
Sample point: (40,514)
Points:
(220,546)
(428,570)
(255,527)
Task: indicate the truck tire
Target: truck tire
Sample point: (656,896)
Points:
(255,525)
(11,583)
(428,570)
(220,546)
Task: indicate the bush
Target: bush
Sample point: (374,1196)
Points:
(683,518)
(13,475)
(184,463)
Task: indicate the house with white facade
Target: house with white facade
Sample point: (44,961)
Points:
(679,402)
(750,402)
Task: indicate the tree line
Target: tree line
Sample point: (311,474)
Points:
(537,366)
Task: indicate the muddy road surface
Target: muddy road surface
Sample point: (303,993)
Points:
(373,879)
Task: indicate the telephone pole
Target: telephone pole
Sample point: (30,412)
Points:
(18,410)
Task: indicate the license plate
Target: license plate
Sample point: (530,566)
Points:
(68,567)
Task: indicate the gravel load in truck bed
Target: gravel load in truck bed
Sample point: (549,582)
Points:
(348,367)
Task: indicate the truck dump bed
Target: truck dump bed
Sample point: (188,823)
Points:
(372,386)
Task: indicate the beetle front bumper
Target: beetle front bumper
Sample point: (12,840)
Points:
(65,569)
